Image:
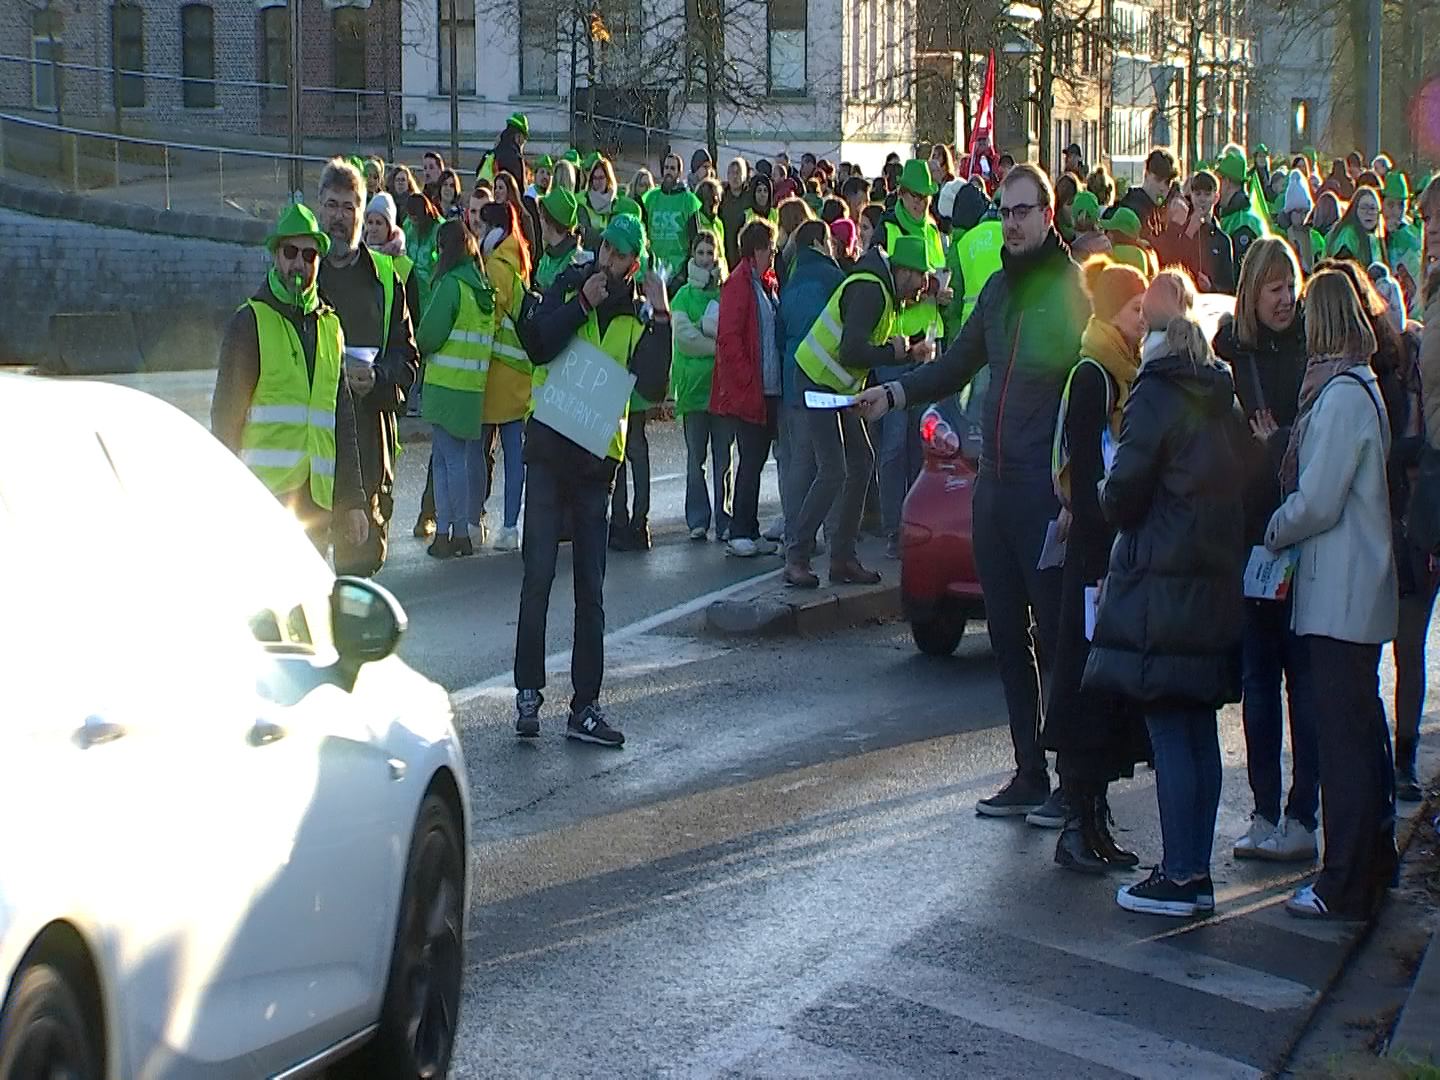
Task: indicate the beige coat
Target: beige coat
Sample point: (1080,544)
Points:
(1345,584)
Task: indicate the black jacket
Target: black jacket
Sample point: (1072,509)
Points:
(547,327)
(1150,213)
(1172,605)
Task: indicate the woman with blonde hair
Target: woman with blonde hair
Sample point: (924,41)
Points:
(640,183)
(596,204)
(1337,514)
(1359,235)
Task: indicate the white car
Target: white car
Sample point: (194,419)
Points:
(232,823)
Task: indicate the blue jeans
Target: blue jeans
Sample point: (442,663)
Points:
(899,457)
(1270,650)
(459,466)
(512,445)
(703,432)
(1186,742)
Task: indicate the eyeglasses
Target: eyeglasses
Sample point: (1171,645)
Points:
(1020,211)
(294,251)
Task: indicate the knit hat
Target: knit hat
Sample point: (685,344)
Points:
(384,205)
(700,157)
(625,205)
(1297,195)
(1085,205)
(843,230)
(297,220)
(1232,167)
(625,234)
(520,122)
(1113,288)
(560,205)
(1396,187)
(1123,221)
(916,177)
(909,253)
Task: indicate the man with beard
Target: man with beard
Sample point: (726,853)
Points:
(381,360)
(598,304)
(668,211)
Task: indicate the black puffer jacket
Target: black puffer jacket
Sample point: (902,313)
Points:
(1171,608)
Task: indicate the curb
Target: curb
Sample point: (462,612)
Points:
(1417,1033)
(777,611)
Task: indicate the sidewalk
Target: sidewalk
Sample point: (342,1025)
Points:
(1416,1037)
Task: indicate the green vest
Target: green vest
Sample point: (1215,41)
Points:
(464,360)
(817,354)
(403,265)
(289,433)
(618,342)
(977,258)
(924,317)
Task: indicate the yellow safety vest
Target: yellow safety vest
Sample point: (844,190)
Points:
(289,433)
(618,342)
(464,360)
(508,349)
(817,354)
(979,258)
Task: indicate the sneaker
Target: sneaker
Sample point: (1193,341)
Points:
(776,529)
(527,713)
(1407,788)
(508,539)
(700,535)
(892,548)
(591,726)
(1204,894)
(1018,797)
(1261,829)
(1050,814)
(1291,842)
(1158,895)
(742,547)
(442,547)
(766,547)
(1305,904)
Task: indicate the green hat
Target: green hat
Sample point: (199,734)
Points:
(916,177)
(560,205)
(1232,167)
(520,122)
(591,160)
(909,252)
(1123,221)
(625,234)
(572,155)
(1396,186)
(358,162)
(1085,204)
(626,205)
(1260,148)
(545,162)
(297,220)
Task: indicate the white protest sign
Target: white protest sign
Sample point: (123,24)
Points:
(584,396)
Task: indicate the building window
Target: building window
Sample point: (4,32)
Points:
(275,56)
(539,48)
(787,47)
(45,50)
(197,58)
(349,35)
(464,31)
(127,54)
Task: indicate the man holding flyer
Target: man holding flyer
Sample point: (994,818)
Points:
(856,332)
(590,340)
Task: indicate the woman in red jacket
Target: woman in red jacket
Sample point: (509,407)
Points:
(745,390)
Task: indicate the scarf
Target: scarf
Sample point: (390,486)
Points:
(1104,344)
(699,276)
(765,323)
(925,230)
(306,301)
(600,201)
(1318,373)
(395,245)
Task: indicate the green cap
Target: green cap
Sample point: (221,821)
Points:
(1232,167)
(572,155)
(1123,221)
(626,205)
(916,177)
(545,162)
(1085,204)
(1260,148)
(297,220)
(625,234)
(520,122)
(560,205)
(1396,186)
(909,252)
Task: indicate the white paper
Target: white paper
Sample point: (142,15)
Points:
(1092,609)
(1052,552)
(1268,574)
(584,396)
(360,354)
(815,399)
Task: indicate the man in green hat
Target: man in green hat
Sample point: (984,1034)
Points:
(911,217)
(600,305)
(1237,215)
(281,402)
(508,154)
(1402,236)
(858,332)
(544,173)
(558,217)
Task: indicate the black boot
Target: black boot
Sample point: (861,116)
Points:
(1407,787)
(1105,843)
(1075,850)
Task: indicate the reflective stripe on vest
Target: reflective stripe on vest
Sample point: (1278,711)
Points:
(979,258)
(619,341)
(817,354)
(464,360)
(1060,449)
(289,433)
(507,348)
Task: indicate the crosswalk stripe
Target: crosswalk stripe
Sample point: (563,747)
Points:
(1332,933)
(788,1058)
(1099,1039)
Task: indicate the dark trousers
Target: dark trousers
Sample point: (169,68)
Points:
(1357,775)
(754,441)
(1271,650)
(637,457)
(1186,743)
(836,496)
(549,491)
(1010,521)
(1409,652)
(365,560)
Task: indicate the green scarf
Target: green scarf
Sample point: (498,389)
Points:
(925,229)
(306,301)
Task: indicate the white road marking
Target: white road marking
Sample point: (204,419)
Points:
(560,661)
(790,1058)
(1089,1036)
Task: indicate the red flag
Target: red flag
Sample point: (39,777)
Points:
(984,126)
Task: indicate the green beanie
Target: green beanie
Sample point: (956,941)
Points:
(625,234)
(297,220)
(560,205)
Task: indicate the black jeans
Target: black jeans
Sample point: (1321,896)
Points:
(1010,521)
(549,491)
(637,456)
(1357,775)
(1409,652)
(754,441)
(1269,650)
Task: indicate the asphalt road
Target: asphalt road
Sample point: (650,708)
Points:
(782,875)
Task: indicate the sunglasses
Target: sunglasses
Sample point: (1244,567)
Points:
(294,251)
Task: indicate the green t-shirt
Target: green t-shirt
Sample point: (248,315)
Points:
(690,375)
(666,218)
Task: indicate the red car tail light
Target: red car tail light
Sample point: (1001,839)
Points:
(939,437)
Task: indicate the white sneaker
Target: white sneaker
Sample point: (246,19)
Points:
(698,533)
(479,534)
(742,547)
(508,540)
(1261,829)
(776,529)
(766,547)
(1291,842)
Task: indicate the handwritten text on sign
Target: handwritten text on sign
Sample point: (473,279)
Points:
(584,396)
